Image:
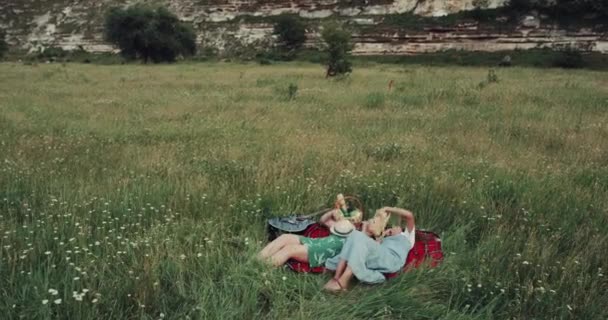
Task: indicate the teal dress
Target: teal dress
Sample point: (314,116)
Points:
(321,249)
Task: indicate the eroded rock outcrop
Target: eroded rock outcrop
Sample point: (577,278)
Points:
(36,24)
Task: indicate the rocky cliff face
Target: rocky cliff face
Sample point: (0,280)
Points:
(36,24)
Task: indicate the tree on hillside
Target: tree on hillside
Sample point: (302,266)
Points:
(147,33)
(337,45)
(599,7)
(290,31)
(525,5)
(3,44)
(566,7)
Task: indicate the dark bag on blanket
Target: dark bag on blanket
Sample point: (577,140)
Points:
(292,224)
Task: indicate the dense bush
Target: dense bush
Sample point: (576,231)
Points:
(292,91)
(561,7)
(290,32)
(599,7)
(522,5)
(52,53)
(3,44)
(569,58)
(337,45)
(147,33)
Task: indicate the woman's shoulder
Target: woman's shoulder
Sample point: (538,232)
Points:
(410,235)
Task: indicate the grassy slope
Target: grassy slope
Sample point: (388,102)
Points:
(149,186)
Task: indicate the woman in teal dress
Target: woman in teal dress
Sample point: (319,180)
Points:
(314,251)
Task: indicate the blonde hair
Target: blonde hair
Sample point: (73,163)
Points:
(378,223)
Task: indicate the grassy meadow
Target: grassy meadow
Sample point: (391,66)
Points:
(141,192)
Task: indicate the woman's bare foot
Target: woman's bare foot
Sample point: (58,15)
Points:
(334,285)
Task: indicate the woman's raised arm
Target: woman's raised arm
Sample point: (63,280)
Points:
(403,214)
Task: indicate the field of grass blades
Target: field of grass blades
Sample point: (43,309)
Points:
(141,192)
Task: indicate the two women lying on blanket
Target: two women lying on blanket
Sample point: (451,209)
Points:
(364,254)
(368,259)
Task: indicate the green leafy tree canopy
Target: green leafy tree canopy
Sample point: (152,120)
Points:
(290,31)
(150,34)
(3,44)
(337,45)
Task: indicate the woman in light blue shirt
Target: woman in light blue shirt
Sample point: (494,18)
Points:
(367,259)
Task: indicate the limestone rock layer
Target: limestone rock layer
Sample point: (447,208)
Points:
(37,24)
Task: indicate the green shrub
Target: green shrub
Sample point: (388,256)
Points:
(146,33)
(284,93)
(52,53)
(310,55)
(274,55)
(3,44)
(375,100)
(577,7)
(522,5)
(492,76)
(290,32)
(569,58)
(292,90)
(385,152)
(264,61)
(207,52)
(337,45)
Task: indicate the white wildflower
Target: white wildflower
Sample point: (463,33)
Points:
(77,296)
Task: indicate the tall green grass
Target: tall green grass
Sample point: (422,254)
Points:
(142,191)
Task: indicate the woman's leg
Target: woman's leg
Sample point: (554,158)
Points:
(278,244)
(291,251)
(340,283)
(340,268)
(347,275)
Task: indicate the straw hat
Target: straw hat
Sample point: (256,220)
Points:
(342,228)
